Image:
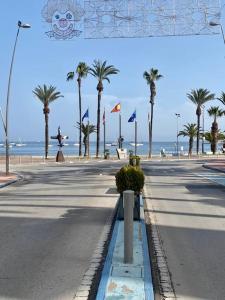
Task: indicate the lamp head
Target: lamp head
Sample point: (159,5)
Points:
(23,25)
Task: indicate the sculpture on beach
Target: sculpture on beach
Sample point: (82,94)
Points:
(64,17)
(60,138)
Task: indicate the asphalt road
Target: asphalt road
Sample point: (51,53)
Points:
(50,224)
(189,207)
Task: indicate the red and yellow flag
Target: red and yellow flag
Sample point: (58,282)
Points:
(116,108)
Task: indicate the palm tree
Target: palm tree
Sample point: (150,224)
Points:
(86,130)
(151,78)
(46,95)
(190,130)
(102,72)
(82,71)
(215,112)
(209,137)
(222,98)
(199,97)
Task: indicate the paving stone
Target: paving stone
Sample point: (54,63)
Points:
(90,272)
(96,260)
(84,288)
(94,265)
(86,282)
(82,294)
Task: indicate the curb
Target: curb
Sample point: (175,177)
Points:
(213,168)
(85,288)
(148,282)
(165,280)
(19,177)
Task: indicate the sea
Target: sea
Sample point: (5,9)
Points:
(37,148)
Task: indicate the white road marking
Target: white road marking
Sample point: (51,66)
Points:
(219,179)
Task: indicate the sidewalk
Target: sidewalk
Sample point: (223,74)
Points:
(217,166)
(6,180)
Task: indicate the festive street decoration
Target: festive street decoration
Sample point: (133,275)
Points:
(130,18)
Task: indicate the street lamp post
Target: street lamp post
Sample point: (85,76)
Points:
(178,116)
(203,128)
(221,27)
(20,25)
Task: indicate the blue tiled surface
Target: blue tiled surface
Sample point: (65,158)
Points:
(126,281)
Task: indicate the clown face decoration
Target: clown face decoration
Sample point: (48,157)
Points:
(64,17)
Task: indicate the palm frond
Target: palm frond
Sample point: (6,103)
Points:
(190,130)
(85,129)
(82,70)
(200,96)
(152,76)
(46,94)
(222,98)
(70,76)
(101,71)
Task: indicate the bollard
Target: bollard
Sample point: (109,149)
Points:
(128,203)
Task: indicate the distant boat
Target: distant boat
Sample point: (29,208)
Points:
(114,144)
(76,144)
(10,146)
(133,144)
(20,144)
(65,144)
(13,144)
(108,145)
(1,145)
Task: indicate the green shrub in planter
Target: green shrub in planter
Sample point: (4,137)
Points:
(134,160)
(130,178)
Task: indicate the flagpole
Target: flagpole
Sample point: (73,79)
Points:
(135,148)
(149,136)
(104,131)
(88,136)
(120,146)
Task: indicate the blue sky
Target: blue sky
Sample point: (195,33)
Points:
(185,62)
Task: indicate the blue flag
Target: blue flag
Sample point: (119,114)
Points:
(86,115)
(133,117)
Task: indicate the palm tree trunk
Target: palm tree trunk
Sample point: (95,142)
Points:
(46,135)
(190,146)
(198,132)
(150,131)
(85,146)
(80,116)
(98,123)
(214,130)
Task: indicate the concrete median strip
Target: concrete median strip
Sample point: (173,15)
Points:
(127,281)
